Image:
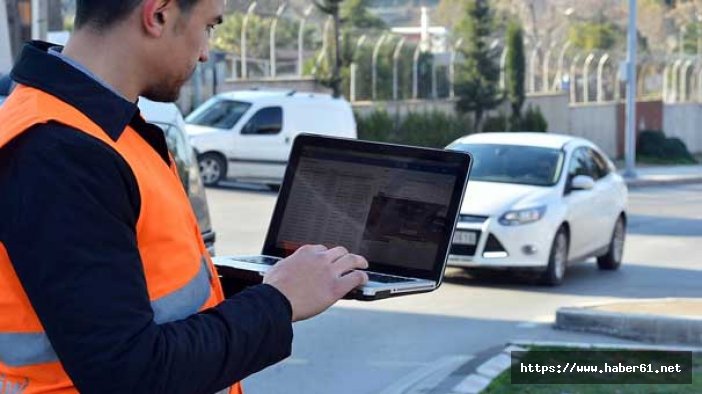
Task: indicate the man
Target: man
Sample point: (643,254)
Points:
(105,284)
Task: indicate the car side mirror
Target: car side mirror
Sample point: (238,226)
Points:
(582,182)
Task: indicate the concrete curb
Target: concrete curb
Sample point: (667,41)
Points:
(643,182)
(485,373)
(603,345)
(649,328)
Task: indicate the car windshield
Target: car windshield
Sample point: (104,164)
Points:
(218,113)
(527,165)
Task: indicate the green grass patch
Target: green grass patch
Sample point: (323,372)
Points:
(503,383)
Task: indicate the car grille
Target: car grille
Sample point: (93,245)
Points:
(472,219)
(466,250)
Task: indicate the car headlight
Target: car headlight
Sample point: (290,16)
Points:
(522,216)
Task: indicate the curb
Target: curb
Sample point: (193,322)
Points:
(655,329)
(643,182)
(604,345)
(485,373)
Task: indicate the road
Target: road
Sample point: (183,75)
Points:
(382,346)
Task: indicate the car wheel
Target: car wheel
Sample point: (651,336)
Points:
(613,259)
(212,169)
(558,260)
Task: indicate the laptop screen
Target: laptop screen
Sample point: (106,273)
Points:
(395,209)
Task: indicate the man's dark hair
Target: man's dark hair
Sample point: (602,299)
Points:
(101,14)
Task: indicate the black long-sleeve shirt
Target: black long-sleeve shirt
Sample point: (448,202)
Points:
(68,211)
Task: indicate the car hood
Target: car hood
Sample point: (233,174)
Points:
(194,130)
(492,198)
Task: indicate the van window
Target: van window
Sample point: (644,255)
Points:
(266,121)
(220,114)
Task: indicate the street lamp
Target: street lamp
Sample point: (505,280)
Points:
(630,141)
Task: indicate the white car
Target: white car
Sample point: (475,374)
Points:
(539,202)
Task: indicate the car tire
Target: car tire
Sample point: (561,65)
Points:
(213,168)
(557,259)
(615,252)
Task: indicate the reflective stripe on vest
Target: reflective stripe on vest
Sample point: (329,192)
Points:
(23,349)
(186,301)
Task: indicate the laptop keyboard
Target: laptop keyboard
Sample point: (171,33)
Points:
(260,260)
(375,277)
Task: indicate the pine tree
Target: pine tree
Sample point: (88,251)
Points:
(478,73)
(514,71)
(331,7)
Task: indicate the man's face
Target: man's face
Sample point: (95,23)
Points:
(185,42)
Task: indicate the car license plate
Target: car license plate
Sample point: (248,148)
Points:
(465,238)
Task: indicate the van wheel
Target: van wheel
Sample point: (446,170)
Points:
(213,168)
(613,259)
(557,261)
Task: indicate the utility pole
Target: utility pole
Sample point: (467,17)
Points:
(40,11)
(630,154)
(5,46)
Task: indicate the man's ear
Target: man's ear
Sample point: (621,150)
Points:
(154,15)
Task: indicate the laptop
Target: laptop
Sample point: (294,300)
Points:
(395,205)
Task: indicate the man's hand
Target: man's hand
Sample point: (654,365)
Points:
(314,278)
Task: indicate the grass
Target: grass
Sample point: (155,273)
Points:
(503,385)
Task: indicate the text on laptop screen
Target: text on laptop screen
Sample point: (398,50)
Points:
(391,210)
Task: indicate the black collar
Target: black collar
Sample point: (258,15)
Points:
(39,69)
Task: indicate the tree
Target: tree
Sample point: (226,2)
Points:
(227,37)
(515,71)
(448,12)
(353,18)
(354,14)
(478,74)
(331,7)
(595,35)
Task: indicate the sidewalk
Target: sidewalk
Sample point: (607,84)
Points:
(665,175)
(675,321)
(655,324)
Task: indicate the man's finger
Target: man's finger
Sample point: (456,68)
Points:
(312,248)
(337,253)
(349,262)
(351,281)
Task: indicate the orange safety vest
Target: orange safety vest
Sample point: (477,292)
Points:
(180,277)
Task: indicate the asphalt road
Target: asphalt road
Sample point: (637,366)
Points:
(384,346)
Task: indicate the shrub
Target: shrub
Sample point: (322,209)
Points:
(496,123)
(534,120)
(654,146)
(378,126)
(431,129)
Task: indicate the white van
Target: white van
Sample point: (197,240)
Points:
(247,135)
